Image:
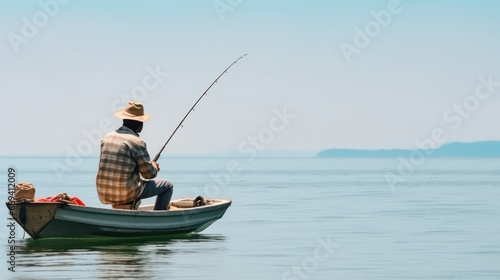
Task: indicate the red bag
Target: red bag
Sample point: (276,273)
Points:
(62,197)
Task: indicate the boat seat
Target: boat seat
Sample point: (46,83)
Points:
(122,206)
(127,206)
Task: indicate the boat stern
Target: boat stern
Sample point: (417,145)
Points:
(33,216)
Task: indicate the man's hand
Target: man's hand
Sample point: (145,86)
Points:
(156,166)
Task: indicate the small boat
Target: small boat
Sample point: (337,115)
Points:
(57,219)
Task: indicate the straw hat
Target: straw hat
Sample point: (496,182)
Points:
(133,111)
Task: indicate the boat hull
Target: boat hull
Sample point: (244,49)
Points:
(42,220)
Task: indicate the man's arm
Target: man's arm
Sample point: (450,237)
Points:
(147,168)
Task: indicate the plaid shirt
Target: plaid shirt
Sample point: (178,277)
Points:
(123,158)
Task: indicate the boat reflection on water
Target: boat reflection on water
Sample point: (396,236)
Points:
(108,257)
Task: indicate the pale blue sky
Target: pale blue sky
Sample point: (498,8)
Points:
(66,78)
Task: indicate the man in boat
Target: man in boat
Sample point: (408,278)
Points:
(126,172)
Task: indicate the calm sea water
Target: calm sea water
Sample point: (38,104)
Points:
(291,218)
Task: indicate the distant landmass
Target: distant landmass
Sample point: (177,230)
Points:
(456,149)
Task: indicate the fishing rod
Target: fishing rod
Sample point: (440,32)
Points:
(192,108)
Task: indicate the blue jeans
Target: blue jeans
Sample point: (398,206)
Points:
(162,188)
